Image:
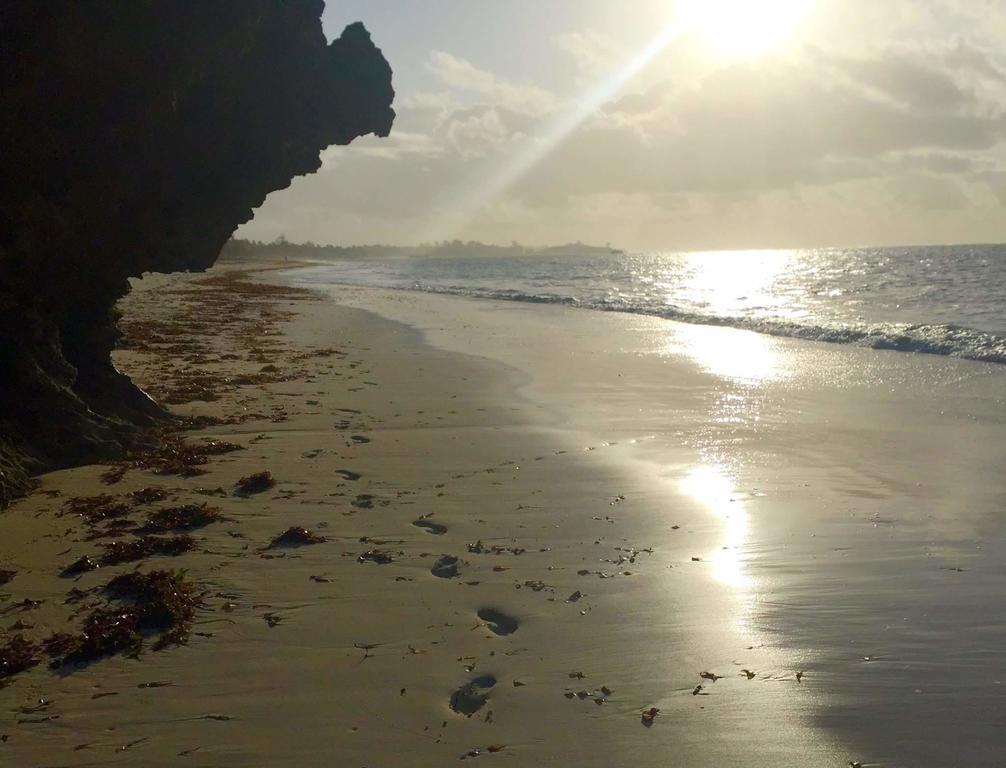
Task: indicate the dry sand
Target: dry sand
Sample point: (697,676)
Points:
(600,567)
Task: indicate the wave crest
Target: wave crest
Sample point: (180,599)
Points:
(935,339)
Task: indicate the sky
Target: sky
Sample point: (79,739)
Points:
(670,125)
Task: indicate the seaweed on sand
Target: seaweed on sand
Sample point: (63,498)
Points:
(79,566)
(17,655)
(117,552)
(295,536)
(159,602)
(254,483)
(186,517)
(96,509)
(173,456)
(147,495)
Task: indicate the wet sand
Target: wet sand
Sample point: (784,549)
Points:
(541,523)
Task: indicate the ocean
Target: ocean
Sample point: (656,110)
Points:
(944,300)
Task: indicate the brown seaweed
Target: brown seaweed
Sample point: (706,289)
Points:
(295,536)
(17,655)
(254,483)
(147,495)
(96,509)
(117,552)
(79,566)
(159,602)
(186,517)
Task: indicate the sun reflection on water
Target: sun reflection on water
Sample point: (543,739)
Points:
(742,356)
(731,284)
(712,487)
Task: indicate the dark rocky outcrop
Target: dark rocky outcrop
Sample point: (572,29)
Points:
(136,136)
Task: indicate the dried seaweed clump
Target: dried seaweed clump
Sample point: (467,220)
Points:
(376,556)
(187,517)
(147,495)
(254,483)
(174,456)
(17,655)
(160,602)
(79,566)
(96,509)
(294,536)
(117,552)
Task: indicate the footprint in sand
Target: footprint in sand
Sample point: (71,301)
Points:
(471,697)
(347,474)
(430,527)
(446,567)
(498,622)
(363,501)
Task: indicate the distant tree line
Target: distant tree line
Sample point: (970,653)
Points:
(281,248)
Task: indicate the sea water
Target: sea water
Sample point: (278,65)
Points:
(946,300)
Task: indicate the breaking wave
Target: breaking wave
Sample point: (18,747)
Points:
(933,339)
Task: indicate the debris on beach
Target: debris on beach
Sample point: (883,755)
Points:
(81,565)
(799,677)
(599,695)
(25,605)
(295,536)
(117,552)
(378,556)
(478,548)
(710,676)
(172,456)
(147,495)
(160,602)
(254,483)
(648,716)
(186,517)
(96,509)
(476,751)
(17,655)
(748,673)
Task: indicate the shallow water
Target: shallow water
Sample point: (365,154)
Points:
(858,496)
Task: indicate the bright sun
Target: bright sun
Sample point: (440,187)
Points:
(742,28)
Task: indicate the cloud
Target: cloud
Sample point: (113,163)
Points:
(594,53)
(464,76)
(909,138)
(748,128)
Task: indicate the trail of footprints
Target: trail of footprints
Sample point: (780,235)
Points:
(472,696)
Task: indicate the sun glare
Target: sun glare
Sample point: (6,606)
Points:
(742,28)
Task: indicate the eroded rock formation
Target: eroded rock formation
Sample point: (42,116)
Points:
(136,136)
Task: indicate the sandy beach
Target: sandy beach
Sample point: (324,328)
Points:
(661,546)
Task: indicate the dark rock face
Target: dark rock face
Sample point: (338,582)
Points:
(136,137)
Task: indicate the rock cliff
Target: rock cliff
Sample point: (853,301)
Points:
(136,137)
